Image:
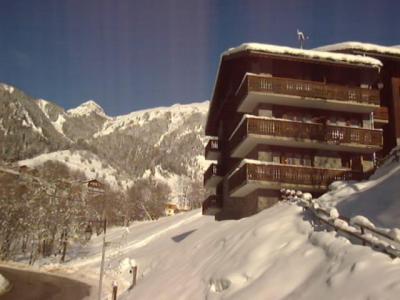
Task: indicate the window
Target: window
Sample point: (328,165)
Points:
(354,123)
(332,120)
(297,160)
(341,121)
(307,118)
(290,159)
(345,162)
(352,95)
(276,158)
(265,156)
(307,160)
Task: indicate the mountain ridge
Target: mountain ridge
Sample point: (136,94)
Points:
(165,142)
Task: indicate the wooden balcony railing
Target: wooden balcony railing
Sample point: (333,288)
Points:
(212,202)
(212,146)
(213,170)
(310,89)
(381,113)
(312,131)
(314,177)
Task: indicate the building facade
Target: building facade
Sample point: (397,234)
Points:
(285,118)
(388,115)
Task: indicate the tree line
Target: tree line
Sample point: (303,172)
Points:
(46,209)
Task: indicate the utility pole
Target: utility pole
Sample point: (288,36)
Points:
(97,188)
(103,252)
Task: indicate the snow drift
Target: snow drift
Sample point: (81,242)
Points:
(378,199)
(4,285)
(275,254)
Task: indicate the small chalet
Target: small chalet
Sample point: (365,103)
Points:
(171,209)
(23,169)
(94,186)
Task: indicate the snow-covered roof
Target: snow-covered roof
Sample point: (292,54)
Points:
(309,54)
(365,47)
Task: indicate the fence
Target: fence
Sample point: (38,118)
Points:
(380,244)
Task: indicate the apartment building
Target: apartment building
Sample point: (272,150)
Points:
(287,118)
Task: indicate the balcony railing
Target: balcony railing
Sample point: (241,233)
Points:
(212,172)
(381,114)
(211,205)
(317,178)
(212,149)
(310,131)
(310,89)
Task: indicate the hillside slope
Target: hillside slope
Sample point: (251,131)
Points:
(275,254)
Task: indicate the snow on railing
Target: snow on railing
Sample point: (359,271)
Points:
(358,227)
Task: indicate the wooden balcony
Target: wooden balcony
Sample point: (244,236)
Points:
(212,176)
(255,130)
(250,177)
(212,151)
(257,89)
(211,205)
(381,115)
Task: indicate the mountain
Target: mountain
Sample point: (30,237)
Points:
(166,143)
(25,131)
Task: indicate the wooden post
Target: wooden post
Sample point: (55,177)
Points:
(134,275)
(64,244)
(114,290)
(362,232)
(103,254)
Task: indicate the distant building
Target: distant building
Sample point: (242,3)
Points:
(171,209)
(23,169)
(93,187)
(288,118)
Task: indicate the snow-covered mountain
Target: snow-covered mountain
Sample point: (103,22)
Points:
(25,131)
(165,142)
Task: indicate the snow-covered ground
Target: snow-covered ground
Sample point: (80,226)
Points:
(4,284)
(275,254)
(378,199)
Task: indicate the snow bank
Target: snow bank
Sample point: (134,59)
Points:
(4,284)
(272,255)
(333,213)
(311,54)
(362,221)
(376,199)
(365,47)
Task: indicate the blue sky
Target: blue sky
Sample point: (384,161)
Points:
(129,55)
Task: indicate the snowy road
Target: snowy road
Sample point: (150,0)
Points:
(29,285)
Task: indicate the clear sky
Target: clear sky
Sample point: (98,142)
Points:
(129,54)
